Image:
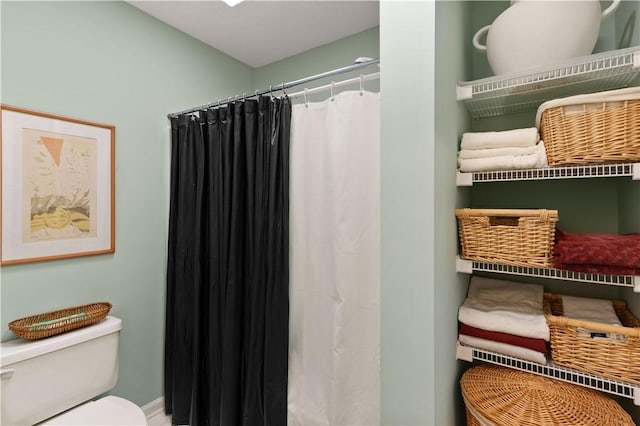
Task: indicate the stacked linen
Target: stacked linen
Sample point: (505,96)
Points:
(505,317)
(599,311)
(597,253)
(505,150)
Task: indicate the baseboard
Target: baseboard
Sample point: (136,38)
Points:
(154,407)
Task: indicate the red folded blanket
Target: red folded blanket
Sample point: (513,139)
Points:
(596,269)
(538,345)
(598,253)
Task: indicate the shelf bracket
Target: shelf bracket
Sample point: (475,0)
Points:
(464,266)
(636,284)
(464,353)
(636,171)
(636,396)
(464,92)
(465,179)
(636,59)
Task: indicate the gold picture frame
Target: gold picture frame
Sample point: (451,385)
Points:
(58,187)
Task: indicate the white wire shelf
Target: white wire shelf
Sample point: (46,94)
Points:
(631,170)
(614,387)
(517,92)
(470,266)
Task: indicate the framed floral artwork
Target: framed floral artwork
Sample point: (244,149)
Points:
(57,187)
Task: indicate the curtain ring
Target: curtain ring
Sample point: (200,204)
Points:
(306,101)
(361,84)
(283,91)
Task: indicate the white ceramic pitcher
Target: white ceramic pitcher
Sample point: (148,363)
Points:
(533,33)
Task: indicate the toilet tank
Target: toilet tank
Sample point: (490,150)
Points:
(42,378)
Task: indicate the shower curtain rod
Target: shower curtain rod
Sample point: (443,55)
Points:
(283,86)
(361,79)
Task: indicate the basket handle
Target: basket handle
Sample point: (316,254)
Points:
(595,326)
(543,214)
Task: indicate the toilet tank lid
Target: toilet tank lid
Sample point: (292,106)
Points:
(18,350)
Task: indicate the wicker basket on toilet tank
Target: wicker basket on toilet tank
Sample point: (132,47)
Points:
(55,322)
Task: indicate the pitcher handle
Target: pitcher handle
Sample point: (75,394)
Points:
(480,33)
(612,8)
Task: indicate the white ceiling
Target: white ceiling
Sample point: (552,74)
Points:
(259,32)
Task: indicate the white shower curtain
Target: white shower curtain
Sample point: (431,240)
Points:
(334,323)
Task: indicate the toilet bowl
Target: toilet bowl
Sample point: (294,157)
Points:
(55,381)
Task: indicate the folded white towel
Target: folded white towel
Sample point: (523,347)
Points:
(490,294)
(506,307)
(507,138)
(511,162)
(617,95)
(503,348)
(594,310)
(497,152)
(587,309)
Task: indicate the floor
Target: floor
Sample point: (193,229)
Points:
(159,419)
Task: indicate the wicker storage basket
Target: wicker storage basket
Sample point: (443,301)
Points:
(619,360)
(514,237)
(505,397)
(56,322)
(597,132)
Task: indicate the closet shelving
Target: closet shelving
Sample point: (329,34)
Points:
(470,266)
(501,95)
(523,91)
(631,170)
(603,384)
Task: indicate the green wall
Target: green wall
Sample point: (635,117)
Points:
(109,62)
(451,119)
(407,49)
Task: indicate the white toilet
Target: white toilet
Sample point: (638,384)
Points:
(53,380)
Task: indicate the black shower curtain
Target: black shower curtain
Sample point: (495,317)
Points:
(226,331)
